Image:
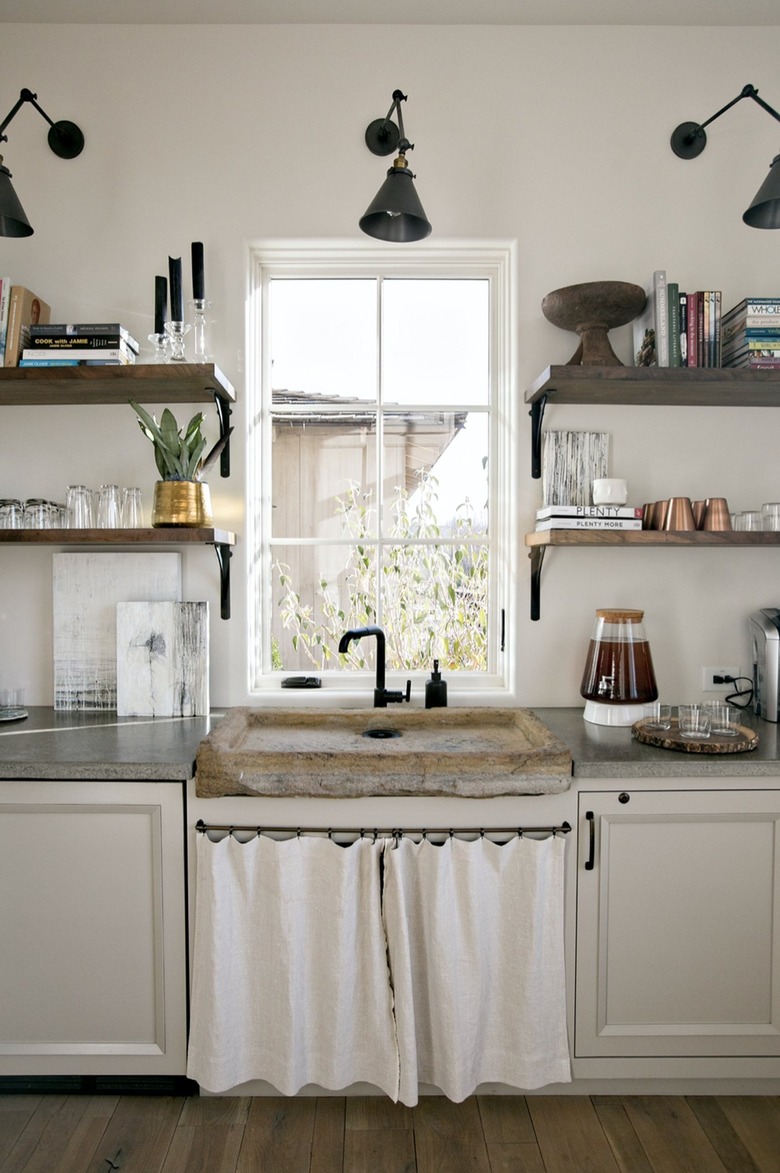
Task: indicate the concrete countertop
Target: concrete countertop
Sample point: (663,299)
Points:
(600,751)
(86,746)
(80,746)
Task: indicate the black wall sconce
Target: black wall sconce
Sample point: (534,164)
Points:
(65,139)
(689,140)
(395,213)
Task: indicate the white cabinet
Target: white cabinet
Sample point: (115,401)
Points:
(92,926)
(678,927)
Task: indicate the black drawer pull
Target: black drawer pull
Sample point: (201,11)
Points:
(590,862)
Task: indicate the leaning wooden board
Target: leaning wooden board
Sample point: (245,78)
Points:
(746,739)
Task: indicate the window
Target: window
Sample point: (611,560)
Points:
(379,461)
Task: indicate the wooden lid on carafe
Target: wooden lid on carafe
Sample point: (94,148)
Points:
(621,616)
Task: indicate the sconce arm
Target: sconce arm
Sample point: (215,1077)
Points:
(65,138)
(383,136)
(689,140)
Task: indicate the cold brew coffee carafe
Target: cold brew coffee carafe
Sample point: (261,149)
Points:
(618,679)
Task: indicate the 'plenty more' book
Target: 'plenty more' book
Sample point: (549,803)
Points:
(629,523)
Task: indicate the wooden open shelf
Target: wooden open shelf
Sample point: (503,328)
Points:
(651,537)
(145,382)
(657,386)
(160,535)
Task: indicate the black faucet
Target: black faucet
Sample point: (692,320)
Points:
(382,696)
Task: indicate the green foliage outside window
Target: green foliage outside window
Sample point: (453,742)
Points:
(434,592)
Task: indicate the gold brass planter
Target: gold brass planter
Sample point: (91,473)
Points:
(182,503)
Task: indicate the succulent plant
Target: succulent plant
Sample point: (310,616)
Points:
(178,453)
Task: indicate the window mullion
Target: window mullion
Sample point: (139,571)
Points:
(380,450)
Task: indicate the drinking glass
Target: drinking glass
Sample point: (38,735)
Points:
(770,513)
(78,502)
(724,719)
(658,716)
(36,513)
(694,722)
(132,517)
(109,508)
(11,513)
(749,519)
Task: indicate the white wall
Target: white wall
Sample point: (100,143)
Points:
(555,137)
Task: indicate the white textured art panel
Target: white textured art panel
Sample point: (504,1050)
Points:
(162,659)
(87,588)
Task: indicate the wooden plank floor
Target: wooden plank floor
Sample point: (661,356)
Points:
(485,1134)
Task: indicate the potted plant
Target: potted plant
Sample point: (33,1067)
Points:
(181,497)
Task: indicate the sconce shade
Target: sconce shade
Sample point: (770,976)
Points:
(396,213)
(764,212)
(13,221)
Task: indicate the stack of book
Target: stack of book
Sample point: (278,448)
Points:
(678,329)
(620,517)
(82,344)
(751,334)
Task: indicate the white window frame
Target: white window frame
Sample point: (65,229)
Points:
(494,261)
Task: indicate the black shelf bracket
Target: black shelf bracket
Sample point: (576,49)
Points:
(536,554)
(224,554)
(223,414)
(537,418)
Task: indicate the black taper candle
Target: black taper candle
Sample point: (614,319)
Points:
(177,304)
(198,281)
(160,304)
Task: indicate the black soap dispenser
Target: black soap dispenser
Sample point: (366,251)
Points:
(436,689)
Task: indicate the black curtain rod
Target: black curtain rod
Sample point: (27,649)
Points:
(386,832)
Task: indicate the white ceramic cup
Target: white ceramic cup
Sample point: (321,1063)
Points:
(609,491)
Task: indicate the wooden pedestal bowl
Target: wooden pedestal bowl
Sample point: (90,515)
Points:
(590,310)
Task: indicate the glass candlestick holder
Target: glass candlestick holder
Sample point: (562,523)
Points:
(199,307)
(177,332)
(160,345)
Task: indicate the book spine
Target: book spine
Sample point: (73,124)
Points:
(5,299)
(673,305)
(757,364)
(49,362)
(661,318)
(588,511)
(102,354)
(751,305)
(601,523)
(80,342)
(716,332)
(683,303)
(693,310)
(743,345)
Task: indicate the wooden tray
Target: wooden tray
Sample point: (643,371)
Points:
(746,739)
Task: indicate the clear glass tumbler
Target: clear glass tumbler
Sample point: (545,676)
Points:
(132,510)
(109,510)
(11,513)
(78,502)
(694,721)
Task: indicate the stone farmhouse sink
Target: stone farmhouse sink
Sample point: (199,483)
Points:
(468,752)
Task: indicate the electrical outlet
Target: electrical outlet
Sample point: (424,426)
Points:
(708,679)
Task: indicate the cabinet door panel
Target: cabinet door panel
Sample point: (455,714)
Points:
(92,925)
(678,926)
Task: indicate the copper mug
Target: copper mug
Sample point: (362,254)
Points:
(656,514)
(716,515)
(679,514)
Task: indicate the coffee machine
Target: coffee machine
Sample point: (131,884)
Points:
(765,647)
